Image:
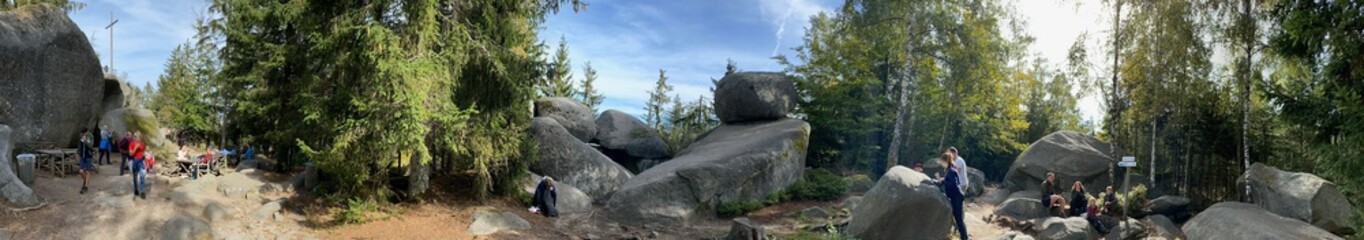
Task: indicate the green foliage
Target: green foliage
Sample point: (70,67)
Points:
(737,208)
(818,185)
(957,83)
(1133,202)
(188,98)
(365,88)
(559,75)
(357,211)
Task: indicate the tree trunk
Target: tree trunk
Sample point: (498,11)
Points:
(893,154)
(1249,33)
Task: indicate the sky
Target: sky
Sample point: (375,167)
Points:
(627,42)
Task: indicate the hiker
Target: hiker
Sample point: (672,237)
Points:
(546,198)
(960,163)
(950,185)
(1110,201)
(122,146)
(104,146)
(919,167)
(83,149)
(138,150)
(1051,196)
(1092,215)
(1078,201)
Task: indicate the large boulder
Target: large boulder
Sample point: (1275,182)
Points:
(754,96)
(743,229)
(1022,205)
(733,162)
(1173,207)
(11,187)
(1065,228)
(1072,156)
(50,79)
(114,93)
(489,222)
(573,162)
(185,227)
(571,200)
(573,116)
(1162,228)
(1236,220)
(124,120)
(904,204)
(627,140)
(1300,196)
(1129,229)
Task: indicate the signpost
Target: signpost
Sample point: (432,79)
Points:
(1127,162)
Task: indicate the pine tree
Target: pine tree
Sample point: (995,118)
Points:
(658,101)
(559,74)
(590,96)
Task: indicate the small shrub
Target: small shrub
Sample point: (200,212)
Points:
(819,185)
(1134,201)
(737,208)
(356,211)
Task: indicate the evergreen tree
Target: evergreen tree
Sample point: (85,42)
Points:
(656,107)
(590,96)
(559,74)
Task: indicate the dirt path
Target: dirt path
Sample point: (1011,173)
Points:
(110,211)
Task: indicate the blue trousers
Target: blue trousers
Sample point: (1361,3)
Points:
(139,175)
(959,215)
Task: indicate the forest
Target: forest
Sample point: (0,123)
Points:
(372,91)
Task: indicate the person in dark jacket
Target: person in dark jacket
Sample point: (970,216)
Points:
(949,185)
(84,149)
(122,146)
(1078,200)
(1051,196)
(546,198)
(1110,206)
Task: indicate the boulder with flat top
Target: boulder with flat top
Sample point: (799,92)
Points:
(733,162)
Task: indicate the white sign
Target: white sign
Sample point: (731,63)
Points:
(1128,161)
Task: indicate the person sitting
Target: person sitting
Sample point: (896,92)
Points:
(1092,215)
(1110,201)
(1051,196)
(546,198)
(1078,200)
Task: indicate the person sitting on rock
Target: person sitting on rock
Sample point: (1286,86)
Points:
(1051,196)
(1078,200)
(1110,201)
(546,198)
(1092,215)
(950,185)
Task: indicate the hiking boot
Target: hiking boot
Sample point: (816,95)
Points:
(84,189)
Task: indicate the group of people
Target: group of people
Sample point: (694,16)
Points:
(954,183)
(1080,203)
(136,159)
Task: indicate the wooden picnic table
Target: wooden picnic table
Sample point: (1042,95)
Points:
(59,160)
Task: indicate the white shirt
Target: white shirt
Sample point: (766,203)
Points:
(965,182)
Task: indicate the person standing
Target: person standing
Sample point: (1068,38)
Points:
(138,152)
(1078,200)
(950,185)
(104,146)
(960,163)
(122,146)
(83,150)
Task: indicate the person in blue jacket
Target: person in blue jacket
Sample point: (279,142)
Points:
(949,185)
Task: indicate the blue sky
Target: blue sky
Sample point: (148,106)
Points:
(626,41)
